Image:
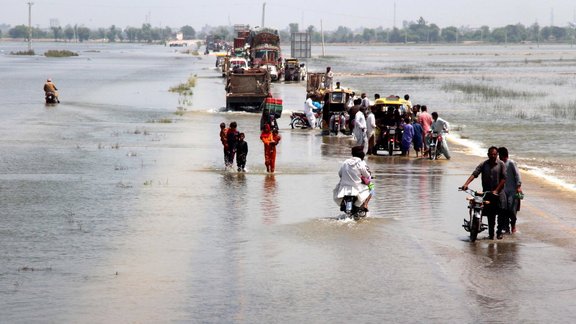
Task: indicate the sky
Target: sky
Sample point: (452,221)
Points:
(280,13)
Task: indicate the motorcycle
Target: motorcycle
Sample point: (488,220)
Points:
(337,124)
(393,139)
(50,98)
(298,119)
(476,202)
(351,210)
(435,147)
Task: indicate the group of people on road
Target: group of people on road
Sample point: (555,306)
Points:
(501,178)
(235,145)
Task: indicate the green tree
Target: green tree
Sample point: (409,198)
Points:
(145,33)
(83,34)
(515,33)
(132,34)
(369,35)
(293,28)
(188,32)
(69,32)
(20,31)
(342,35)
(396,36)
(499,35)
(111,34)
(57,32)
(534,32)
(450,34)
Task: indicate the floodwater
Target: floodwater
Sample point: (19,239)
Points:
(116,209)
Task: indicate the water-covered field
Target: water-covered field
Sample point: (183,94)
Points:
(517,96)
(115,206)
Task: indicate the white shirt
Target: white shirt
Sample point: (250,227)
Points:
(365,102)
(440,125)
(350,181)
(360,121)
(370,124)
(308,106)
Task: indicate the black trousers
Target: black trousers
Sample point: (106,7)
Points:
(493,210)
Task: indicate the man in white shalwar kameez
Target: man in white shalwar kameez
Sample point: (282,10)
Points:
(360,127)
(351,184)
(309,111)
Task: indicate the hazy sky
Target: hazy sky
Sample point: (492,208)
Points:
(279,13)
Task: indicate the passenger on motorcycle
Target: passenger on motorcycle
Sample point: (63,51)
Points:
(355,178)
(441,126)
(309,110)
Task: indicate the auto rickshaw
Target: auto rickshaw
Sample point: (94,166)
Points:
(389,113)
(334,109)
(220,57)
(291,70)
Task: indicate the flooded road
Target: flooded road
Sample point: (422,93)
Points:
(110,213)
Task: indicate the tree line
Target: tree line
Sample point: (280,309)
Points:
(420,31)
(144,34)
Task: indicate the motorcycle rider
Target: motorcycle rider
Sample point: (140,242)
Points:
(51,87)
(440,126)
(309,110)
(354,178)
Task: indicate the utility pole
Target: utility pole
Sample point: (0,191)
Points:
(263,14)
(394,21)
(30,26)
(322,36)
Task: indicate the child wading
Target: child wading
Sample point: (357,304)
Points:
(241,153)
(223,134)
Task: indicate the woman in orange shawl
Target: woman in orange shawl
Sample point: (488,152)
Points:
(270,141)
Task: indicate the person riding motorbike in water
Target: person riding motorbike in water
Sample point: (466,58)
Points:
(355,180)
(51,87)
(441,126)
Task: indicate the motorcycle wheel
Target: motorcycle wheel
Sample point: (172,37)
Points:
(298,123)
(432,152)
(474,227)
(390,148)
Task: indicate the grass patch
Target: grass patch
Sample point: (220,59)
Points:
(416,77)
(564,111)
(488,92)
(180,111)
(191,52)
(162,121)
(30,52)
(185,88)
(408,69)
(62,53)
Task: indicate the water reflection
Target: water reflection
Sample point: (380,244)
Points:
(269,201)
(497,281)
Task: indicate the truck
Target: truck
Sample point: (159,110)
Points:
(247,90)
(265,51)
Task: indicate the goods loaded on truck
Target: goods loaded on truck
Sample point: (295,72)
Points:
(265,51)
(247,90)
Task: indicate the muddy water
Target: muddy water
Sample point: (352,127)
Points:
(110,215)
